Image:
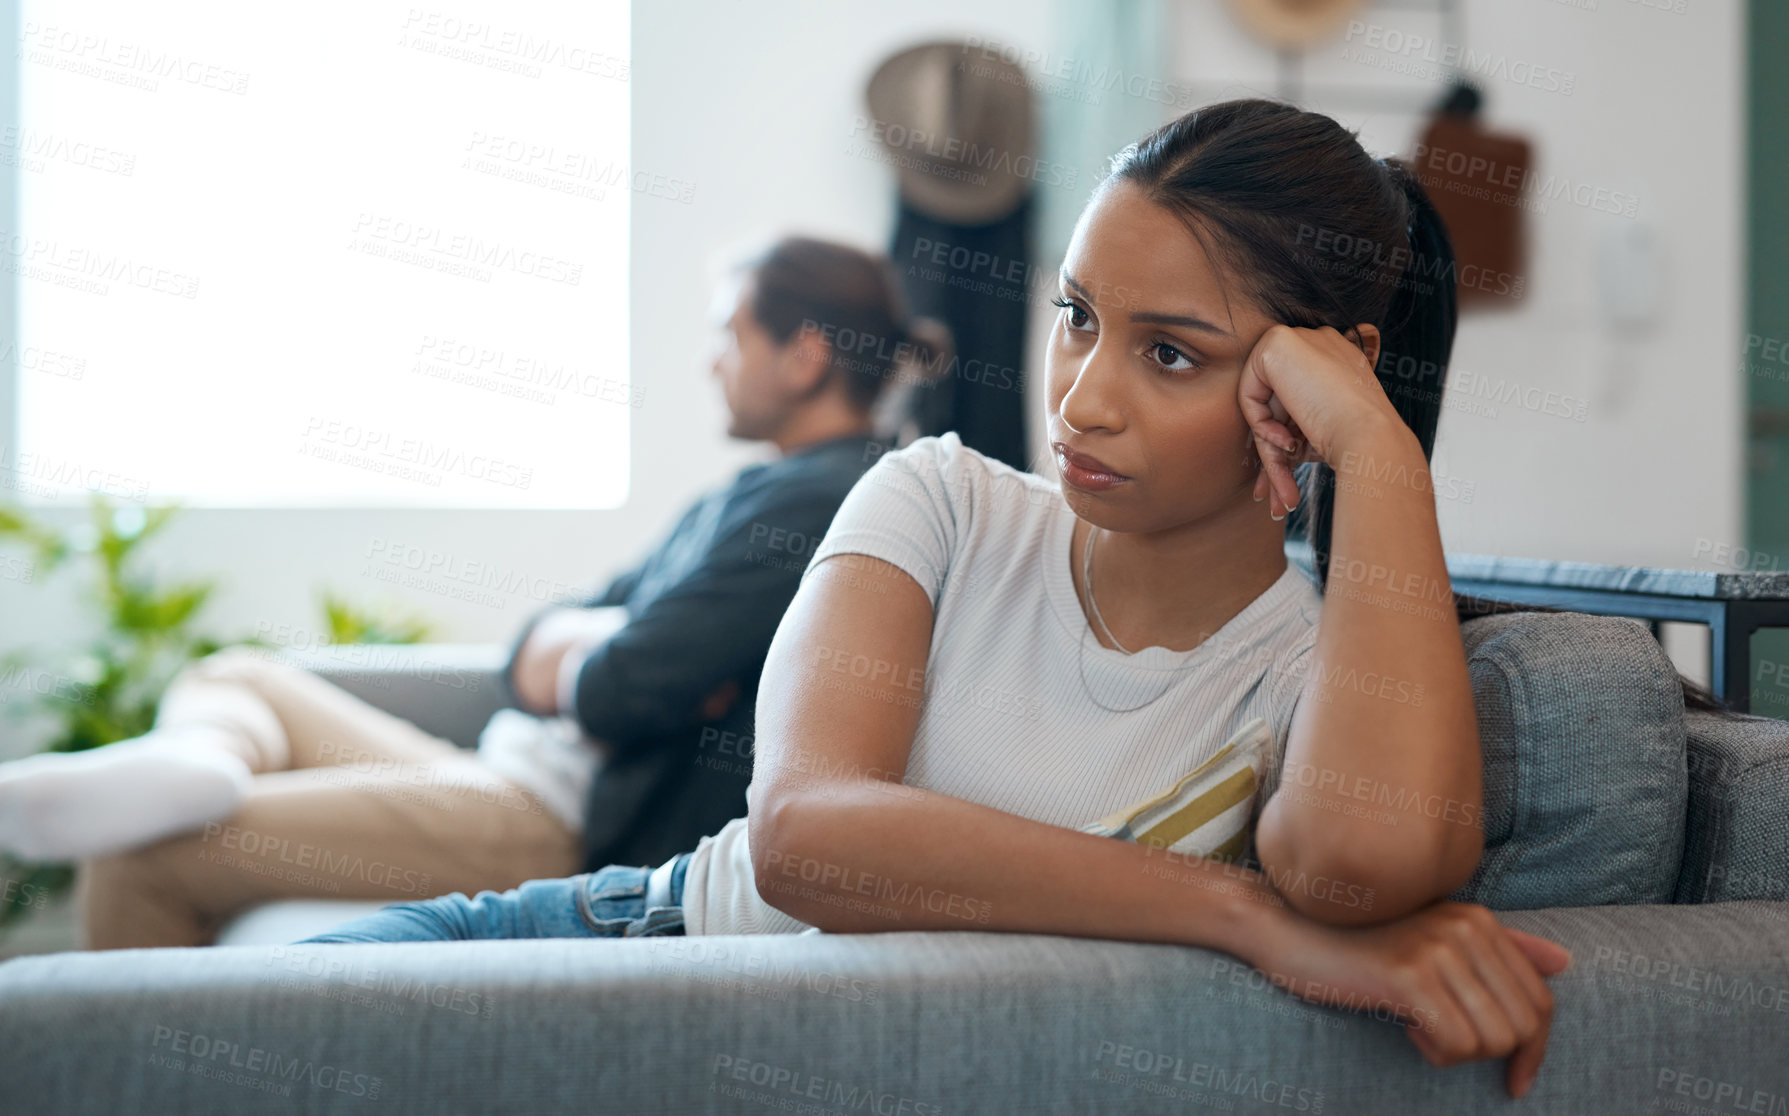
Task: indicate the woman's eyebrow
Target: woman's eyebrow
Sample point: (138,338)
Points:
(1153,317)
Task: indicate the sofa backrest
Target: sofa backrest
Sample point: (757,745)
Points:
(1737,843)
(1582,726)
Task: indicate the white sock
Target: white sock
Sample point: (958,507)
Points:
(63,806)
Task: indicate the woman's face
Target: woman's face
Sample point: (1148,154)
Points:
(1142,371)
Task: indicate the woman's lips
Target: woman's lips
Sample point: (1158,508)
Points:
(1087,473)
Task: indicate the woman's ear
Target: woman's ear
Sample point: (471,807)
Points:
(1366,337)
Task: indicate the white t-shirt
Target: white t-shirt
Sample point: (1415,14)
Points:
(547,756)
(1016,678)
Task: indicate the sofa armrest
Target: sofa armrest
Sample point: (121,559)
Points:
(447,689)
(1581,723)
(1736,842)
(1657,1000)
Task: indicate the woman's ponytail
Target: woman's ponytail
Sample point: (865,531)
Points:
(1414,344)
(1418,334)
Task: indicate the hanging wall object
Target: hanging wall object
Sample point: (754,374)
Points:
(956,122)
(1478,180)
(1295,24)
(957,125)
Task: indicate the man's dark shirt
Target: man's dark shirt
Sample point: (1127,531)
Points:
(702,609)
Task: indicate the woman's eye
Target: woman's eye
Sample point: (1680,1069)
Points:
(1166,355)
(1077,316)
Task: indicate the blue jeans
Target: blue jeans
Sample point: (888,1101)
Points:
(607,903)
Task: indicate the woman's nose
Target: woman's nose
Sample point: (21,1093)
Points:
(1093,400)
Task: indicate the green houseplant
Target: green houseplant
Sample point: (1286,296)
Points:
(109,687)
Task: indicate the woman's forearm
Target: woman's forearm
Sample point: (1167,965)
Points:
(858,855)
(1381,784)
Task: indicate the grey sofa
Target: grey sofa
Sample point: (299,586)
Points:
(1653,844)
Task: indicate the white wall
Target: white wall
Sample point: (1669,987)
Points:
(1653,475)
(1657,111)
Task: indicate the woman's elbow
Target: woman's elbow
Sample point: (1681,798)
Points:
(780,838)
(771,821)
(1359,882)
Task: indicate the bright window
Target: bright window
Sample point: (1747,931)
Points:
(349,254)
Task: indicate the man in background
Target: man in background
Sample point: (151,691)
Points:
(630,733)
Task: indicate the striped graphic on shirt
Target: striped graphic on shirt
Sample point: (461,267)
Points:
(1207,812)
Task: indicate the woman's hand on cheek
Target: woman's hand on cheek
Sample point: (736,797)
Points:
(1305,394)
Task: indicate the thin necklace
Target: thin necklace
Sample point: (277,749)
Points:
(1081,647)
(1087,580)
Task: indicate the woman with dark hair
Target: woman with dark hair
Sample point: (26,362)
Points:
(1064,705)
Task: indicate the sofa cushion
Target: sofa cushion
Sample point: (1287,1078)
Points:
(1737,841)
(1581,722)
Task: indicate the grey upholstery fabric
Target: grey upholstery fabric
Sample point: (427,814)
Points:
(1737,846)
(1658,999)
(447,689)
(1582,726)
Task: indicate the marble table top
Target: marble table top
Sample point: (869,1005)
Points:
(1717,585)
